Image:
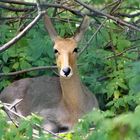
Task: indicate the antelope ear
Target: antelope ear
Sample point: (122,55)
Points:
(50,28)
(82,28)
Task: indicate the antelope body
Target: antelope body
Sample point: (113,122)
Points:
(61,101)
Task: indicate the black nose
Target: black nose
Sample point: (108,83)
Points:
(66,71)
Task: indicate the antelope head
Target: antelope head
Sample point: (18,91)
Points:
(65,49)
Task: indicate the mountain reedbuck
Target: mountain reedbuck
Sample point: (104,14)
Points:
(61,101)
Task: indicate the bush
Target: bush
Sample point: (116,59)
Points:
(109,66)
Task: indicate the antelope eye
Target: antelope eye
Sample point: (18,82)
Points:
(75,50)
(55,51)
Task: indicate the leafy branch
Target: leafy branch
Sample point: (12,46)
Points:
(8,108)
(23,32)
(116,19)
(78,12)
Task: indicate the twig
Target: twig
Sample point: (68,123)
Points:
(115,7)
(15,18)
(109,5)
(21,116)
(9,116)
(38,6)
(77,12)
(88,43)
(12,111)
(121,53)
(16,9)
(12,106)
(28,70)
(129,15)
(117,20)
(53,134)
(16,102)
(130,7)
(22,33)
(46,5)
(18,2)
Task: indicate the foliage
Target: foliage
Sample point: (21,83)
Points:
(29,128)
(109,127)
(110,67)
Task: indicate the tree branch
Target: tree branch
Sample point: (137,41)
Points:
(129,15)
(88,43)
(16,18)
(22,33)
(18,2)
(45,5)
(28,70)
(7,108)
(121,53)
(116,19)
(16,9)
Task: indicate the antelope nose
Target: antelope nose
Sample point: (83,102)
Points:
(66,71)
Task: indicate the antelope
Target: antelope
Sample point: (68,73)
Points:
(62,100)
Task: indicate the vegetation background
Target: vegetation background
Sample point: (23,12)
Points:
(108,63)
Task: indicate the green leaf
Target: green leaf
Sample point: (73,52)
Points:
(6,69)
(5,57)
(12,52)
(36,119)
(16,65)
(123,44)
(39,47)
(29,131)
(24,64)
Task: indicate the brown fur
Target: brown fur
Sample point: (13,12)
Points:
(60,101)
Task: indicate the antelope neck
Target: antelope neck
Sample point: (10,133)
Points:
(72,92)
